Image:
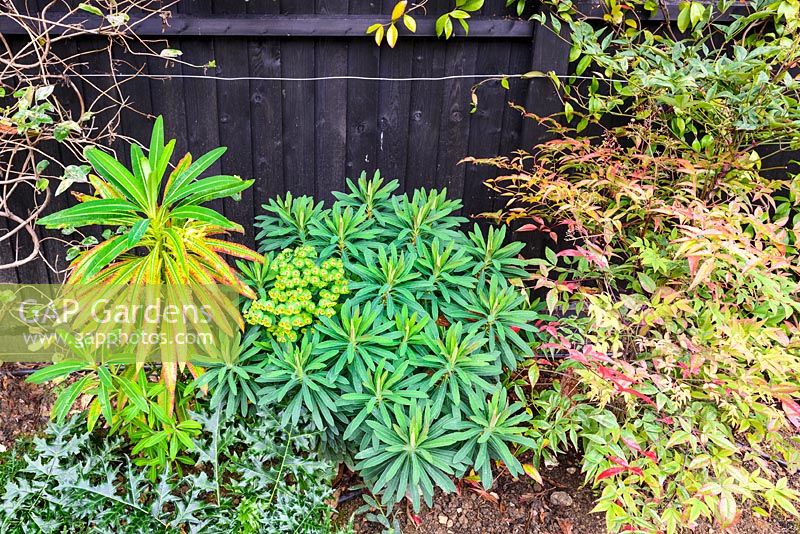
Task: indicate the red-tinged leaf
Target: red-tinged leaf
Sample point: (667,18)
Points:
(693,262)
(651,455)
(619,461)
(641,396)
(234,249)
(636,470)
(792,410)
(728,512)
(620,380)
(516,329)
(632,444)
(703,273)
(416,519)
(527,228)
(610,472)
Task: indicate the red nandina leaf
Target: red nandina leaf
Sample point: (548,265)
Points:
(619,461)
(639,395)
(636,470)
(527,228)
(416,519)
(792,410)
(632,445)
(610,472)
(516,329)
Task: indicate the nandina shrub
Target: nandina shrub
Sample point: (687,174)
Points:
(676,282)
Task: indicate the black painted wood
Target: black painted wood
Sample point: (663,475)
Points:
(307,136)
(330,100)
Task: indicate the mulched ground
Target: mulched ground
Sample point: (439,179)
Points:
(561,506)
(24,407)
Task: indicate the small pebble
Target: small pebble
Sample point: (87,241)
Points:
(443,519)
(561,499)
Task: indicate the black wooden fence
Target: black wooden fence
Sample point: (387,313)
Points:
(307,136)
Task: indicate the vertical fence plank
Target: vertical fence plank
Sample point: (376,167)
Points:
(266,110)
(394,103)
(550,52)
(423,129)
(486,126)
(330,125)
(455,118)
(297,60)
(362,98)
(233,111)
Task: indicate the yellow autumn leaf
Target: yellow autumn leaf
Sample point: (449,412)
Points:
(391,36)
(410,23)
(532,472)
(399,9)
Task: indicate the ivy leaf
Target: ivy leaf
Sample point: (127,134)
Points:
(42,93)
(90,9)
(170,53)
(117,19)
(63,129)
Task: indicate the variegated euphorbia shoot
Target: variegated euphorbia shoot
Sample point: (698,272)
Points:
(161,236)
(170,233)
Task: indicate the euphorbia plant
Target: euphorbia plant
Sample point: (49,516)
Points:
(163,236)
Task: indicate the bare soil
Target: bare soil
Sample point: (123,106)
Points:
(525,507)
(24,407)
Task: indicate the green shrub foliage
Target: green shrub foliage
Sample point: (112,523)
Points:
(433,317)
(678,270)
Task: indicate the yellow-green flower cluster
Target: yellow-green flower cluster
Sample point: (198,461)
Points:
(302,289)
